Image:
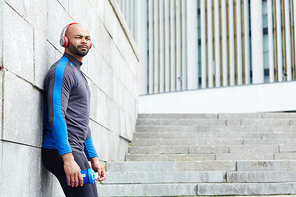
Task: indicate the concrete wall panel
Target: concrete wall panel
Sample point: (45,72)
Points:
(23,111)
(17,32)
(15,174)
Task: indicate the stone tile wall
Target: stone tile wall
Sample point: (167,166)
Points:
(29,44)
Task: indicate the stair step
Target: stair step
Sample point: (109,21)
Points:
(206,149)
(210,141)
(180,122)
(261,176)
(197,189)
(214,128)
(156,166)
(263,135)
(199,122)
(170,157)
(246,188)
(244,156)
(267,165)
(222,116)
(200,157)
(188,141)
(166,177)
(147,189)
(178,116)
(198,135)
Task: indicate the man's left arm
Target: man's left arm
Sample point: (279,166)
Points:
(92,156)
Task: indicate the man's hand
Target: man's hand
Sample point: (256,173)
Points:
(72,170)
(97,167)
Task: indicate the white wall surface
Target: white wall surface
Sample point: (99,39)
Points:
(238,99)
(29,45)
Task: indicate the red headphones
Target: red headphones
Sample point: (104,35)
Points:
(64,41)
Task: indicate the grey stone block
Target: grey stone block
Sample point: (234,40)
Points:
(287,148)
(151,166)
(98,141)
(140,166)
(105,145)
(110,19)
(65,4)
(250,141)
(246,189)
(233,122)
(279,115)
(180,122)
(103,45)
(15,169)
(207,149)
(285,156)
(40,178)
(166,177)
(15,59)
(170,157)
(122,124)
(266,165)
(278,135)
(36,16)
(270,122)
(41,63)
(253,149)
(239,116)
(114,146)
(57,190)
(187,141)
(261,177)
(146,190)
(17,5)
(159,150)
(114,117)
(100,104)
(123,149)
(172,134)
(164,128)
(244,156)
(56,14)
(23,111)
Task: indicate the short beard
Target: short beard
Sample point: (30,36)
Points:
(75,50)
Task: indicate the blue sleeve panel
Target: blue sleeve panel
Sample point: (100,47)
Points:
(59,126)
(89,148)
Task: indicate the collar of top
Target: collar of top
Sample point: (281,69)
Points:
(75,61)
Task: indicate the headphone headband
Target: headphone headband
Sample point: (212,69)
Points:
(64,40)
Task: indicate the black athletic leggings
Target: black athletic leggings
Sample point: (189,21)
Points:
(54,163)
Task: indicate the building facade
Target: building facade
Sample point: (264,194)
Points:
(235,49)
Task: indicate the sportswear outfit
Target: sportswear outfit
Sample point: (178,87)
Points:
(67,112)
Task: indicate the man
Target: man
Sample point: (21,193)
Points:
(67,110)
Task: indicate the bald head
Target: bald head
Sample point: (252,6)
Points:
(76,28)
(79,41)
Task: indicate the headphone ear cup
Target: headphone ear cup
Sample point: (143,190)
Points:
(66,41)
(90,45)
(62,41)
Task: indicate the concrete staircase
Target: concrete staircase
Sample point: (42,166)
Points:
(207,154)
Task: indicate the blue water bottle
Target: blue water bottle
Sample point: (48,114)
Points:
(89,176)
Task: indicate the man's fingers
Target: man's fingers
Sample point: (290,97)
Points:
(69,180)
(72,180)
(80,179)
